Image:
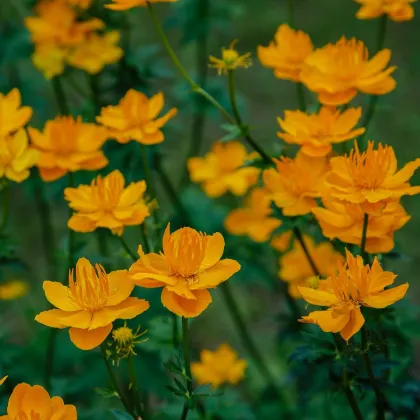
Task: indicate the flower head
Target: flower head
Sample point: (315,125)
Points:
(287,53)
(296,183)
(295,268)
(219,367)
(68,145)
(254,219)
(125,341)
(189,265)
(107,203)
(91,303)
(129,4)
(136,118)
(337,72)
(13,116)
(16,156)
(371,178)
(13,289)
(50,60)
(316,133)
(231,60)
(33,403)
(354,285)
(281,242)
(223,170)
(396,10)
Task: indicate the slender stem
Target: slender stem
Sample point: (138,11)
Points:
(291,13)
(127,249)
(134,387)
(364,235)
(382,32)
(60,96)
(300,93)
(94,90)
(102,240)
(6,206)
(71,237)
(187,365)
(147,171)
(351,397)
(175,341)
(184,413)
(301,241)
(49,357)
(147,246)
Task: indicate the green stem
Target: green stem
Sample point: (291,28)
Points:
(71,237)
(147,171)
(134,387)
(299,237)
(351,397)
(147,246)
(49,357)
(175,341)
(381,32)
(6,206)
(60,96)
(102,240)
(300,93)
(184,413)
(187,365)
(291,13)
(364,236)
(127,249)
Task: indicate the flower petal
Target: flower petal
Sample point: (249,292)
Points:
(121,285)
(55,318)
(89,339)
(15,400)
(59,296)
(214,250)
(37,400)
(327,320)
(318,297)
(354,324)
(387,297)
(217,274)
(188,308)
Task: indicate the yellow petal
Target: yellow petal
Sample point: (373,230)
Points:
(55,318)
(121,285)
(187,308)
(214,250)
(318,297)
(387,297)
(37,400)
(354,324)
(89,339)
(15,400)
(217,274)
(58,295)
(327,320)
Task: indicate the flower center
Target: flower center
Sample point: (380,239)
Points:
(107,193)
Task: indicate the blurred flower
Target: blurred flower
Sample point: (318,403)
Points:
(316,133)
(50,60)
(68,145)
(254,219)
(16,156)
(136,118)
(338,71)
(397,10)
(83,4)
(129,4)
(2,380)
(371,178)
(107,203)
(12,115)
(230,60)
(295,268)
(281,242)
(97,51)
(223,170)
(287,53)
(91,303)
(344,293)
(13,289)
(125,341)
(33,403)
(189,265)
(219,367)
(345,221)
(296,183)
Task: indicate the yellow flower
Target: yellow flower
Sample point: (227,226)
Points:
(129,4)
(91,303)
(219,367)
(295,268)
(97,51)
(345,221)
(337,72)
(223,170)
(136,118)
(287,53)
(344,293)
(33,403)
(316,133)
(371,178)
(397,10)
(125,341)
(107,203)
(12,115)
(230,60)
(254,220)
(3,380)
(296,183)
(189,265)
(14,289)
(16,156)
(281,242)
(68,145)
(50,60)
(83,4)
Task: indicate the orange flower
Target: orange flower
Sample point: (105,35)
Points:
(254,220)
(33,402)
(338,71)
(287,53)
(316,133)
(281,242)
(397,10)
(295,268)
(371,178)
(12,115)
(50,60)
(345,221)
(91,303)
(136,118)
(296,183)
(107,203)
(189,265)
(231,60)
(129,4)
(68,145)
(223,170)
(344,293)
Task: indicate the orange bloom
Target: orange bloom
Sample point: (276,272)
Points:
(129,4)
(344,293)
(338,71)
(189,265)
(68,145)
(296,183)
(50,60)
(345,221)
(316,133)
(254,220)
(12,115)
(287,53)
(371,178)
(34,402)
(107,203)
(223,170)
(231,60)
(136,118)
(397,10)
(295,268)
(91,303)
(281,242)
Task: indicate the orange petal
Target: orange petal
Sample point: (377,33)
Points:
(217,274)
(214,250)
(15,400)
(327,320)
(59,296)
(89,339)
(187,308)
(318,297)
(121,285)
(387,297)
(37,400)
(354,324)
(55,318)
